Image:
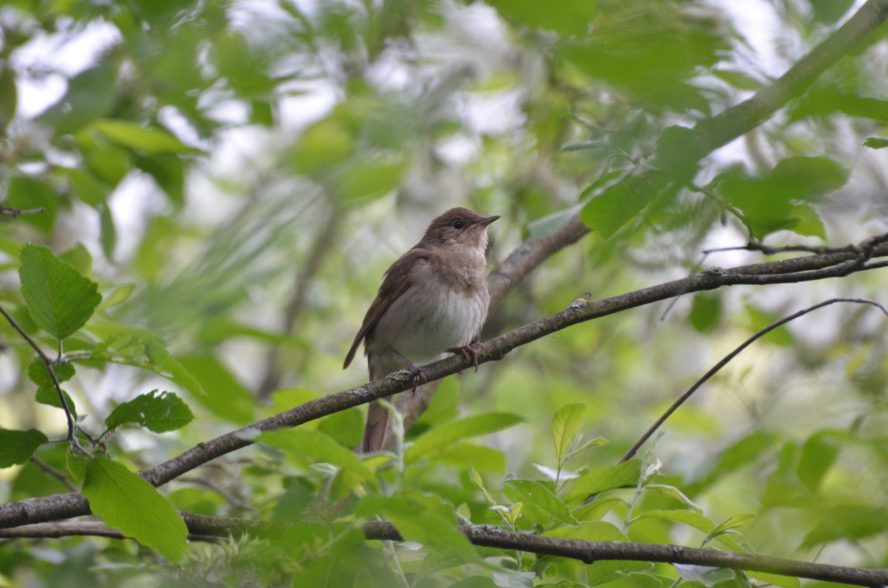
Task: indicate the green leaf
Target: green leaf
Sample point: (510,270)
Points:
(589,531)
(449,433)
(740,520)
(8,95)
(770,202)
(367,178)
(706,312)
(566,424)
(315,446)
(76,463)
(145,139)
(344,426)
(156,411)
(224,394)
(79,258)
(818,455)
(443,407)
(49,396)
(616,206)
(470,455)
(573,17)
(140,348)
(26,192)
(108,232)
(875,143)
(436,528)
(600,479)
(130,504)
(16,447)
(39,373)
(322,145)
(759,319)
(847,522)
(686,517)
(59,299)
(541,505)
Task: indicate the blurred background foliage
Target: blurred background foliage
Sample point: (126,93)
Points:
(237,175)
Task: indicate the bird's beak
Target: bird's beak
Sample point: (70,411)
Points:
(487,220)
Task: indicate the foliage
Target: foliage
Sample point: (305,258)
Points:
(221,186)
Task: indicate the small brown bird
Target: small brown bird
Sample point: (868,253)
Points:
(433,300)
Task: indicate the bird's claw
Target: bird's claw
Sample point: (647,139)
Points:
(469,351)
(417,377)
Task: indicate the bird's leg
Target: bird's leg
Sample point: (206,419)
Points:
(469,351)
(417,376)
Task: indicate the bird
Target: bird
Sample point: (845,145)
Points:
(433,300)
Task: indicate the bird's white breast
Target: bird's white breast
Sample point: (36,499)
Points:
(430,318)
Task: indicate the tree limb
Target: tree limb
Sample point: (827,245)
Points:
(203,527)
(798,269)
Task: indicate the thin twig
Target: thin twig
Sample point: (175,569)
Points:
(14,212)
(72,425)
(724,361)
(57,474)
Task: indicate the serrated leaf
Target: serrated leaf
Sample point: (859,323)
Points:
(17,447)
(600,479)
(133,506)
(157,411)
(316,446)
(59,299)
(541,505)
(566,423)
(448,433)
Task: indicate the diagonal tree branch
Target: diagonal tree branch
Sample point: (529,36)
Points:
(204,527)
(726,359)
(708,135)
(798,269)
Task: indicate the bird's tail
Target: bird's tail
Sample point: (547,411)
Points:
(376,431)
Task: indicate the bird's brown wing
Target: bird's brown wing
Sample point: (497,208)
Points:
(398,279)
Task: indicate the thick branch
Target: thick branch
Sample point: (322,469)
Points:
(712,133)
(797,269)
(592,551)
(495,537)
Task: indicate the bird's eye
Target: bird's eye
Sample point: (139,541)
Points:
(458,224)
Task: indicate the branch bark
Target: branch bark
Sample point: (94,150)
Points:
(203,527)
(798,269)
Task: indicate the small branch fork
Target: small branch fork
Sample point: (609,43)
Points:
(724,361)
(69,415)
(208,528)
